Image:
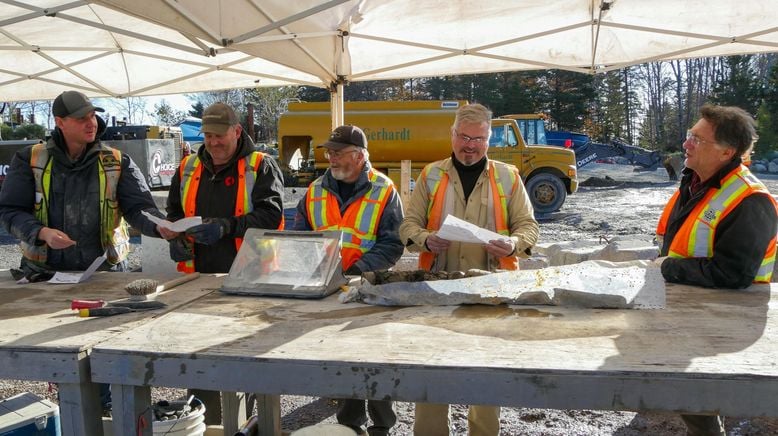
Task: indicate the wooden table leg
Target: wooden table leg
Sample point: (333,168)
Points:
(79,408)
(233,411)
(269,412)
(131,409)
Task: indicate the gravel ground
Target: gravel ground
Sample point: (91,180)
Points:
(613,200)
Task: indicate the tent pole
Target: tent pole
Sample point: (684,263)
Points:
(336,103)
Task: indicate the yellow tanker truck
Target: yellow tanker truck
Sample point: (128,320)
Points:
(419,131)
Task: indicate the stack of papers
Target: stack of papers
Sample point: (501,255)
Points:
(77,277)
(179,226)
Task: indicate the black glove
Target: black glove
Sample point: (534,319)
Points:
(32,272)
(180,250)
(210,231)
(353,270)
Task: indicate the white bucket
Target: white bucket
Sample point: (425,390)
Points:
(324,430)
(190,425)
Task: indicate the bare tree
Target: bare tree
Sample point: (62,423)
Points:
(129,109)
(269,104)
(166,115)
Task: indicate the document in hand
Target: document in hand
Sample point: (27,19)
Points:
(455,229)
(76,277)
(179,226)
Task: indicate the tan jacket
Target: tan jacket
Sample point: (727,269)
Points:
(463,256)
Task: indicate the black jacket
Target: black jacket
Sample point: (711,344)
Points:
(74,206)
(216,196)
(739,244)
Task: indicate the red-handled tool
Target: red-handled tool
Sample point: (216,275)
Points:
(86,304)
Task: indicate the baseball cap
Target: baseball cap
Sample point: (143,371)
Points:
(217,118)
(73,104)
(344,136)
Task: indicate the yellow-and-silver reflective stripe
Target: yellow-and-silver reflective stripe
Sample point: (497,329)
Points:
(701,241)
(368,210)
(317,208)
(114,233)
(190,164)
(432,179)
(504,180)
(765,272)
(361,233)
(250,180)
(368,215)
(41,170)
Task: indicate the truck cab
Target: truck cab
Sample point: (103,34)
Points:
(549,173)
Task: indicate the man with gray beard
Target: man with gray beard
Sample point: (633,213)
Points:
(363,204)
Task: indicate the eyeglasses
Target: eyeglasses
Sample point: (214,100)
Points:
(467,139)
(331,154)
(696,140)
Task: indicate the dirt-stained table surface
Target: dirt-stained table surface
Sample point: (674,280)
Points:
(41,338)
(708,351)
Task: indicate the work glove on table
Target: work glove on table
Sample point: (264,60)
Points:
(31,273)
(210,231)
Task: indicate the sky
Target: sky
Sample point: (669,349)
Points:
(118,108)
(114,107)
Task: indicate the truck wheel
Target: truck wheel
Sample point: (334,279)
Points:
(547,193)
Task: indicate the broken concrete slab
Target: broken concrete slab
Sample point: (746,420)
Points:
(617,249)
(626,250)
(595,284)
(537,261)
(569,252)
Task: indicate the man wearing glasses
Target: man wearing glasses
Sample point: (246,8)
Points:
(719,229)
(487,193)
(362,203)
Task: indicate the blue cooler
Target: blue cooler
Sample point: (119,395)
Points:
(27,415)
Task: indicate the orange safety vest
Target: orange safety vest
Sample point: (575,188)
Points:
(359,223)
(191,170)
(503,180)
(695,238)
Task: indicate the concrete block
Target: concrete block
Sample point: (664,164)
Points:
(537,261)
(627,249)
(569,252)
(619,249)
(408,262)
(597,284)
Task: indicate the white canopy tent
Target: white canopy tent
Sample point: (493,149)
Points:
(143,47)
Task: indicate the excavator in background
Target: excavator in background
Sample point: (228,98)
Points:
(533,128)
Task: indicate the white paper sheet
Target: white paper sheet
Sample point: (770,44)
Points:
(75,277)
(455,229)
(179,226)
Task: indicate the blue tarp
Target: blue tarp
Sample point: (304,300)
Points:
(190,128)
